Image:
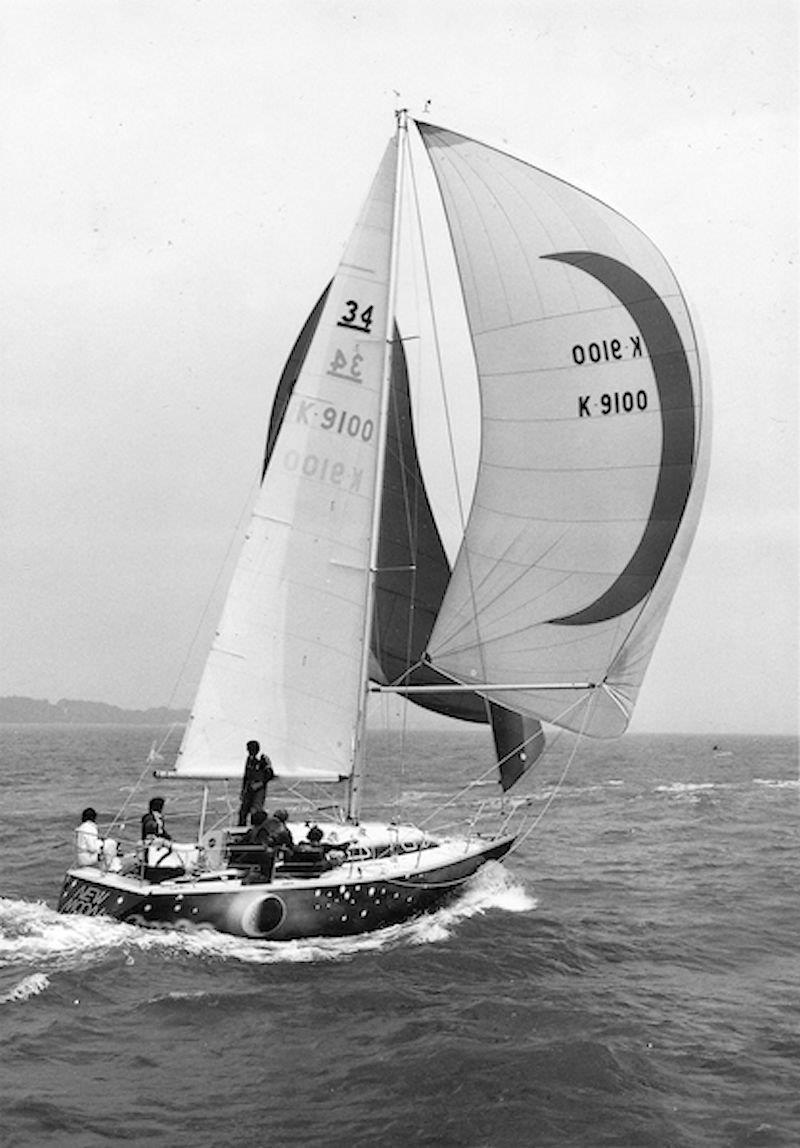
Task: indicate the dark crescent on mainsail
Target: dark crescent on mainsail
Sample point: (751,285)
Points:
(674,384)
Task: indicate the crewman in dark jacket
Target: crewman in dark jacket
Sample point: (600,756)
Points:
(153,821)
(280,835)
(258,772)
(255,846)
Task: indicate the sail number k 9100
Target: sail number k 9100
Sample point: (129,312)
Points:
(607,350)
(322,469)
(612,403)
(310,412)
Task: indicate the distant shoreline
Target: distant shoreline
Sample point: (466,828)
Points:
(69,711)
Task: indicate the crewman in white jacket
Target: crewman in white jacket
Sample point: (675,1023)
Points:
(92,848)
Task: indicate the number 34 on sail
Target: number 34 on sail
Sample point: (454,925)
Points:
(480,501)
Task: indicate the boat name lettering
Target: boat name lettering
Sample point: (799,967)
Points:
(323,470)
(356,319)
(607,349)
(612,403)
(329,418)
(85,899)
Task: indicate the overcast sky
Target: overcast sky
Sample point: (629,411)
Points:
(178,181)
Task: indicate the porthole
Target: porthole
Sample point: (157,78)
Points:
(263,916)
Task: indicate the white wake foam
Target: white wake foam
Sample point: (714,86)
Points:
(32,933)
(682,787)
(28,987)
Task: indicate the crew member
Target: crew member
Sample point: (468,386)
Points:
(280,835)
(87,838)
(258,772)
(92,848)
(153,821)
(255,847)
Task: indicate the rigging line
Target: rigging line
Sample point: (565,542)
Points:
(524,571)
(389,297)
(523,836)
(478,781)
(400,774)
(521,747)
(634,622)
(437,346)
(303,799)
(411,510)
(173,726)
(457,796)
(440,368)
(457,175)
(617,697)
(490,770)
(133,791)
(398,682)
(246,507)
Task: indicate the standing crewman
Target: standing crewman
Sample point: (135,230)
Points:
(258,772)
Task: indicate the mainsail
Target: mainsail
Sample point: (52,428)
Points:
(587,494)
(285,664)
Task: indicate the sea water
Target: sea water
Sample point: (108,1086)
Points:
(628,977)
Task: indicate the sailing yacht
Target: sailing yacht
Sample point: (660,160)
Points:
(493,532)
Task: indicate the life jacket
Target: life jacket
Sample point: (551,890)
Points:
(153,824)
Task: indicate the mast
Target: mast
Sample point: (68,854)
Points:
(359,740)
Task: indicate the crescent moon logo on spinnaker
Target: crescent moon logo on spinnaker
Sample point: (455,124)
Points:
(674,384)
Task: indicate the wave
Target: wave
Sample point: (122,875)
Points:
(185,995)
(493,887)
(31,933)
(685,786)
(565,791)
(695,788)
(681,788)
(28,987)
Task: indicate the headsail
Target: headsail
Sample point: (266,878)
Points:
(592,456)
(285,664)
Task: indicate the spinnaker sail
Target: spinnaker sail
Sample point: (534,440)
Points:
(588,491)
